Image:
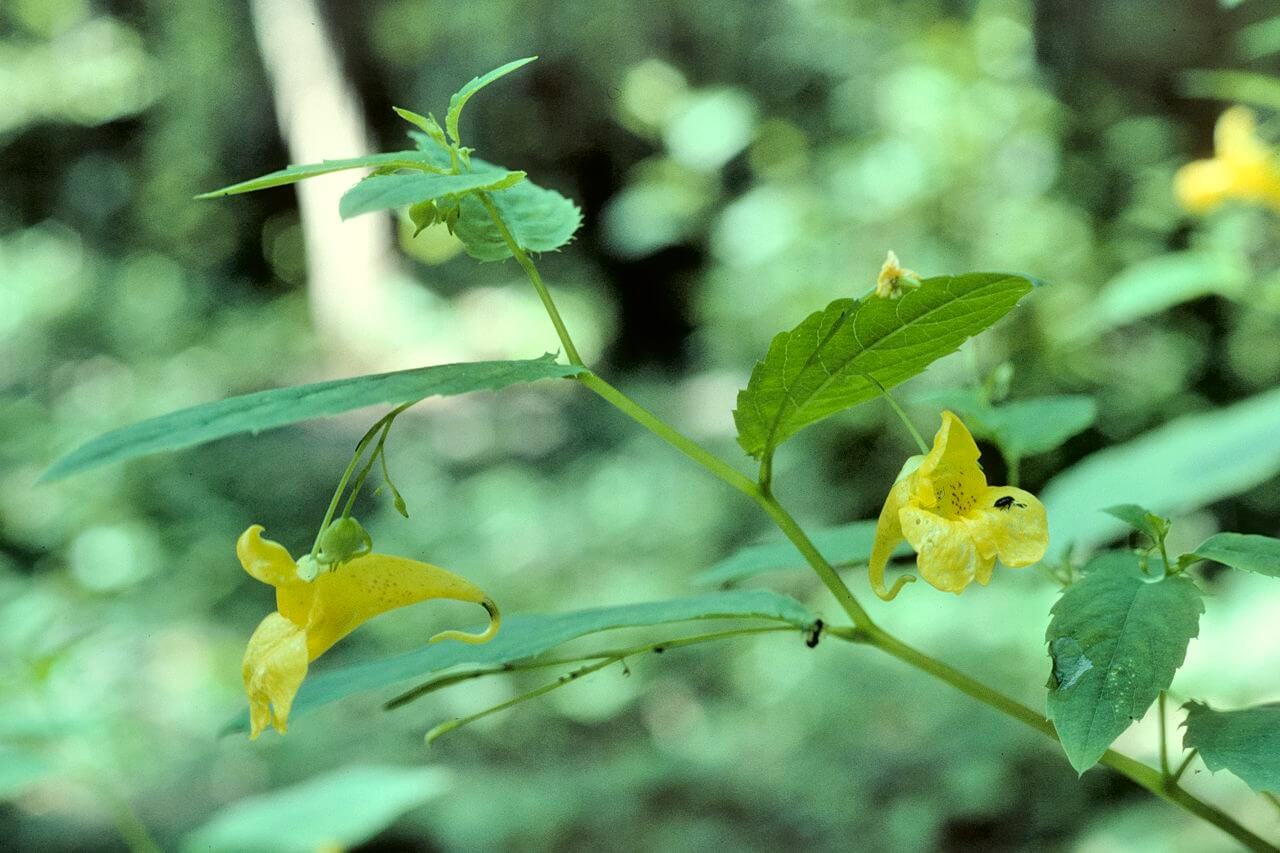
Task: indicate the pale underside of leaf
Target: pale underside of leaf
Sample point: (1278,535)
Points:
(1245,742)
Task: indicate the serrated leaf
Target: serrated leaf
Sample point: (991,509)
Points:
(1116,639)
(280,406)
(539,219)
(380,192)
(1173,469)
(1246,742)
(1023,427)
(475,84)
(293,174)
(525,636)
(849,543)
(821,367)
(1247,552)
(1140,519)
(335,811)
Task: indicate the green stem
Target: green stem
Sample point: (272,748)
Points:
(542,663)
(364,472)
(532,271)
(1182,768)
(902,415)
(601,660)
(1013,465)
(1164,738)
(451,725)
(865,629)
(351,467)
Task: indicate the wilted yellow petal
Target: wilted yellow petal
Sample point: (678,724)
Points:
(367,586)
(275,663)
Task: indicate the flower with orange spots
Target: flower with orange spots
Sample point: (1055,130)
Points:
(315,611)
(957,524)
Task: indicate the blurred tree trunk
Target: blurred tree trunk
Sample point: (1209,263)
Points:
(348,263)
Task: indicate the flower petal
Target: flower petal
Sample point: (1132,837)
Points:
(888,535)
(275,663)
(270,563)
(1011,524)
(948,556)
(1235,138)
(949,480)
(367,586)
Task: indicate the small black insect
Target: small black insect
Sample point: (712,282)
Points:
(1004,502)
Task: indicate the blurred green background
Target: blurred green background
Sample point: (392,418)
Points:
(739,164)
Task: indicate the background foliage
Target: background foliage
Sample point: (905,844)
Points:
(739,166)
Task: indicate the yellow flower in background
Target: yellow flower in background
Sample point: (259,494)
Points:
(312,615)
(1242,167)
(957,524)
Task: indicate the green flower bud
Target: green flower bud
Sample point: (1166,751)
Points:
(343,540)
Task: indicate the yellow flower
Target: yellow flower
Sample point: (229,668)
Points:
(312,615)
(956,523)
(1242,168)
(893,279)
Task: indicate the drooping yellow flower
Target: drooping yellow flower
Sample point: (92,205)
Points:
(1242,167)
(312,615)
(957,524)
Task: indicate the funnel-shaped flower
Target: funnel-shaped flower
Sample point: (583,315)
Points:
(1242,167)
(313,615)
(957,524)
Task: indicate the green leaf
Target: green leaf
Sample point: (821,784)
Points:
(427,123)
(390,160)
(1116,639)
(380,192)
(525,636)
(1020,428)
(281,406)
(1153,285)
(539,219)
(1173,469)
(1246,742)
(336,811)
(821,367)
(460,98)
(1244,551)
(1140,519)
(844,545)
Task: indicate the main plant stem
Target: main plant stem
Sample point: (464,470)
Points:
(864,629)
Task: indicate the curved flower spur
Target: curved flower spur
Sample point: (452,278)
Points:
(312,614)
(957,524)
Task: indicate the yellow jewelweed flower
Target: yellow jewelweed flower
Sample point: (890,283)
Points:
(957,524)
(312,615)
(1242,167)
